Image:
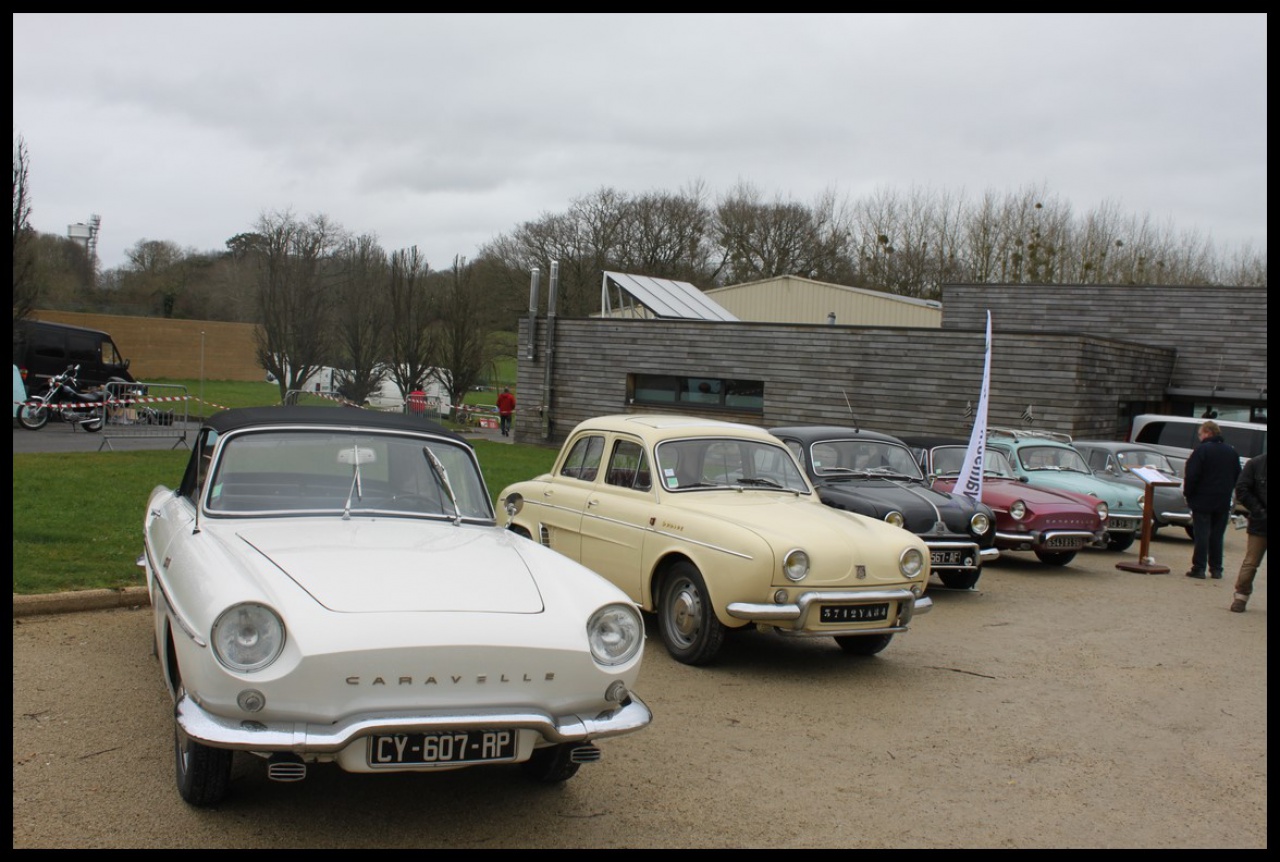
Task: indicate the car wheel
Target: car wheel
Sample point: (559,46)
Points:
(551,765)
(1191,531)
(203,773)
(1056,558)
(1120,544)
(33,418)
(960,580)
(686,619)
(863,644)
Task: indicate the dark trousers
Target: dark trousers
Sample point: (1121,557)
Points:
(504,422)
(1209,528)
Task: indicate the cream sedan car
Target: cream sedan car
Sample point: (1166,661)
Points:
(330,586)
(712,526)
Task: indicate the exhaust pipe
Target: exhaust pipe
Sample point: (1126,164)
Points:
(586,753)
(283,766)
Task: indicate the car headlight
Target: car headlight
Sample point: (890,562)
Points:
(795,565)
(248,637)
(1017,510)
(1103,511)
(980,522)
(615,634)
(895,518)
(911,562)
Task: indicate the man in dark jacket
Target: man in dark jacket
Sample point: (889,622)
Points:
(1251,493)
(1209,480)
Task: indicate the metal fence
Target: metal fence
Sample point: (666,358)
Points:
(146,410)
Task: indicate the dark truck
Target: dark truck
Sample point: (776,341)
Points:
(42,349)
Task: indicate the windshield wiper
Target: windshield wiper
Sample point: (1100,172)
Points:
(357,490)
(442,476)
(768,483)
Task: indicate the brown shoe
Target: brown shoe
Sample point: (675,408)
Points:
(1237,607)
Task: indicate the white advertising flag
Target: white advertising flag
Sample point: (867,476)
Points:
(969,483)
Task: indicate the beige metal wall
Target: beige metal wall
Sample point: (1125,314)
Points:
(793,299)
(159,348)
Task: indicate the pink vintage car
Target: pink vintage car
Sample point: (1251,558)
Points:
(1052,524)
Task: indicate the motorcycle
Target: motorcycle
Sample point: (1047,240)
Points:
(64,397)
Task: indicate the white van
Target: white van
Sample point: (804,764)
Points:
(1177,436)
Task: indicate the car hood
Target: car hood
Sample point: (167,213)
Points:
(1120,498)
(878,497)
(372,566)
(840,540)
(1001,493)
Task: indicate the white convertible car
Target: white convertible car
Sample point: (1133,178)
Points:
(330,586)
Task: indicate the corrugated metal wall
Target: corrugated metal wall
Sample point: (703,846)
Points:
(793,299)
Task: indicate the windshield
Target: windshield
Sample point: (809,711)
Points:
(1056,458)
(709,463)
(296,471)
(1146,458)
(947,461)
(836,458)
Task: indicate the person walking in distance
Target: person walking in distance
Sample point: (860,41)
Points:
(506,406)
(1209,480)
(1251,493)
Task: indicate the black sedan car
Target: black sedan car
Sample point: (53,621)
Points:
(876,475)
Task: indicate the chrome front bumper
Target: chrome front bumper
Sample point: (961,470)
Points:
(797,612)
(306,738)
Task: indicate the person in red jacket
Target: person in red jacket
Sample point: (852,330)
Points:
(506,406)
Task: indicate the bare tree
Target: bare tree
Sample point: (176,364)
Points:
(25,289)
(295,297)
(462,357)
(362,320)
(412,343)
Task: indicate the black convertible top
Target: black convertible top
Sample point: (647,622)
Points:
(344,417)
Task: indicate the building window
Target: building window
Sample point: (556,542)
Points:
(703,392)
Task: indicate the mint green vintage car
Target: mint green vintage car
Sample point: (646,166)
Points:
(1046,459)
(712,526)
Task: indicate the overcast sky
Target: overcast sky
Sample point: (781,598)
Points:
(446,131)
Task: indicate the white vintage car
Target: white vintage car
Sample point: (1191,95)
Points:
(330,586)
(712,526)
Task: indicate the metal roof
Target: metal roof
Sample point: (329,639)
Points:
(658,297)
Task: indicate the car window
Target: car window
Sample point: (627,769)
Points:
(1056,458)
(709,463)
(629,466)
(291,471)
(583,460)
(836,457)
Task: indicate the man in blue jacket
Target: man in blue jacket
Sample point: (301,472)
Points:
(1209,480)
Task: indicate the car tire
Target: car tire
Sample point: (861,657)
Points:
(692,633)
(203,773)
(33,418)
(1056,558)
(1191,531)
(960,580)
(551,765)
(863,644)
(1121,544)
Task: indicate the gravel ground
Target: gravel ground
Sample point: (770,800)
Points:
(1082,707)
